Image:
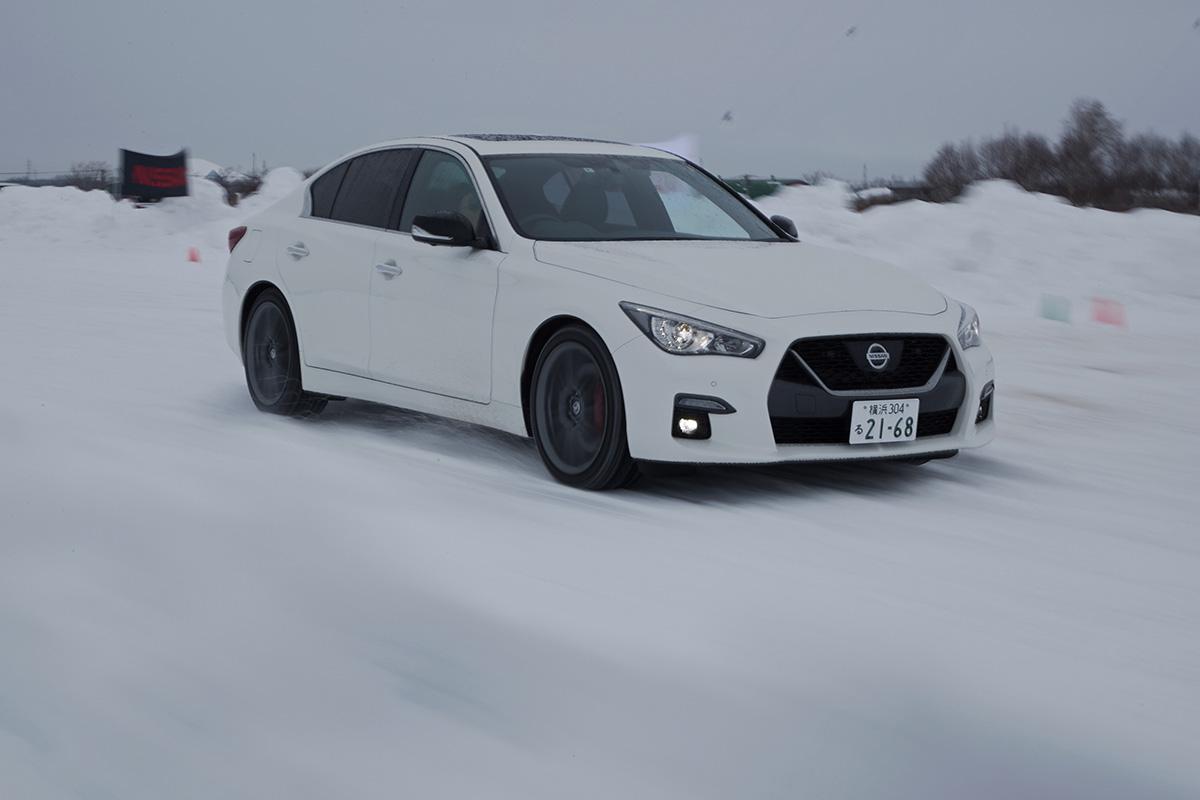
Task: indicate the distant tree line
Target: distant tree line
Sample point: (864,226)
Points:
(89,175)
(1093,163)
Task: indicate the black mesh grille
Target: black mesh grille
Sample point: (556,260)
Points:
(792,371)
(836,430)
(809,430)
(840,362)
(936,423)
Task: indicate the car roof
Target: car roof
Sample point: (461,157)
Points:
(489,144)
(519,143)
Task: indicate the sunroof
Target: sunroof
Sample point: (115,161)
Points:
(529,137)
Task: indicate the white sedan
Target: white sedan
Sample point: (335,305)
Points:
(616,303)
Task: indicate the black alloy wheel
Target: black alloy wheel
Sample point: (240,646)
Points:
(271,358)
(577,412)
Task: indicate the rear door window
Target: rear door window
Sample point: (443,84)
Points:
(324,190)
(370,187)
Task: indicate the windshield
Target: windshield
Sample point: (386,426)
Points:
(592,198)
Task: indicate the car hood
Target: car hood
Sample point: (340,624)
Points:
(764,279)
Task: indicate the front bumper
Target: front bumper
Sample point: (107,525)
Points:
(651,379)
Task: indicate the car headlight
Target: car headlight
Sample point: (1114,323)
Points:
(968,328)
(685,336)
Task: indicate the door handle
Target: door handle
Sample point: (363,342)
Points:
(297,250)
(389,269)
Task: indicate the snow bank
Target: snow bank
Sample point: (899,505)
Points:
(276,184)
(201,219)
(53,212)
(874,193)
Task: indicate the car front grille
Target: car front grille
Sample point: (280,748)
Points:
(836,430)
(840,362)
(813,410)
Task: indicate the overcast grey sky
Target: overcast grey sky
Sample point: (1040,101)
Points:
(301,83)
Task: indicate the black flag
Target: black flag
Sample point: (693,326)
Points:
(147,177)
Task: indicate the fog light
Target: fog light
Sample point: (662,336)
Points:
(688,424)
(985,403)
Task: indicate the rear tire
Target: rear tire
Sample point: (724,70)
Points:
(271,359)
(577,412)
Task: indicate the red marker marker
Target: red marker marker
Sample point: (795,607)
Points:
(1108,312)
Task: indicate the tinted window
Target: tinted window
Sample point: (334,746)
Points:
(324,189)
(593,197)
(556,190)
(370,187)
(441,184)
(619,212)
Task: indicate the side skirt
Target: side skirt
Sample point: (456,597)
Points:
(501,416)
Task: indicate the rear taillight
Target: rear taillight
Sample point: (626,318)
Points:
(235,236)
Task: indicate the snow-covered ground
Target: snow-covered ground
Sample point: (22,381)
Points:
(197,600)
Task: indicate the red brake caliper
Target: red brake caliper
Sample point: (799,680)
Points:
(598,405)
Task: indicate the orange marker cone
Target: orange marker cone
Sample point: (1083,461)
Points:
(194,255)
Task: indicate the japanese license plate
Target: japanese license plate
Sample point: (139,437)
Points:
(875,421)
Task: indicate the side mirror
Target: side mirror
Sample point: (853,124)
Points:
(448,228)
(787,225)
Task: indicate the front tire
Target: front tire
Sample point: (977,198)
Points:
(577,412)
(271,358)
